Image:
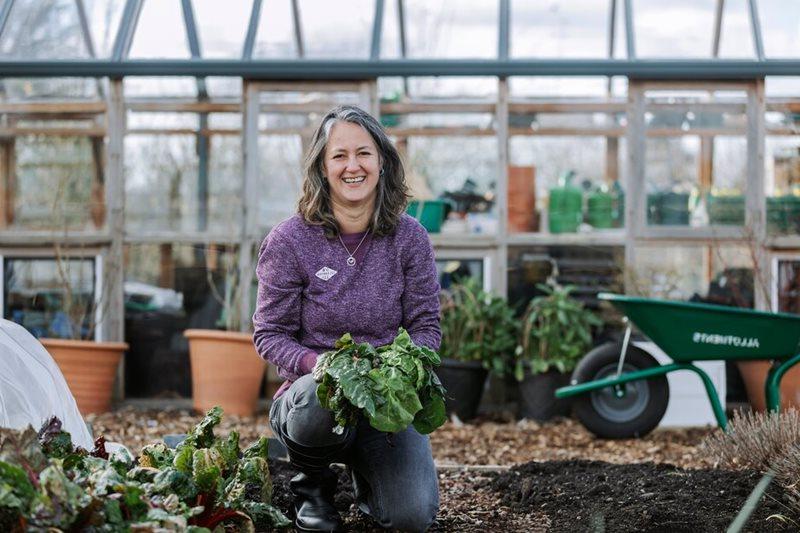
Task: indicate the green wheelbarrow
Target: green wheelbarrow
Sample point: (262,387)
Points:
(622,391)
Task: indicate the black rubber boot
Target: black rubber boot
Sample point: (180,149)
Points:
(313,502)
(314,488)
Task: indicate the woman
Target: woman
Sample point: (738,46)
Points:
(352,261)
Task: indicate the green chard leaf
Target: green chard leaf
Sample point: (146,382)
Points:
(156,455)
(202,435)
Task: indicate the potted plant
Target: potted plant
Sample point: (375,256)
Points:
(556,333)
(226,369)
(479,334)
(88,365)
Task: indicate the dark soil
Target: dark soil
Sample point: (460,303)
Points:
(598,496)
(572,496)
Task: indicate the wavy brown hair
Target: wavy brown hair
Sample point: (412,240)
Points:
(392,191)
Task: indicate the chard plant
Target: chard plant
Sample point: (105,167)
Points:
(556,331)
(393,386)
(206,484)
(478,326)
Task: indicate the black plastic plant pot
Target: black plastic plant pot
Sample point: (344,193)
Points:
(537,398)
(464,381)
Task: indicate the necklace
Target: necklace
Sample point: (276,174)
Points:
(350,259)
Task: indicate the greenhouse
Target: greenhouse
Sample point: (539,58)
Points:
(635,147)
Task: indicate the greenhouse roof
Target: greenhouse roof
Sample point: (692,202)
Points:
(349,39)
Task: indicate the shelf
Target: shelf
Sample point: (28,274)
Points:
(605,237)
(463,240)
(784,242)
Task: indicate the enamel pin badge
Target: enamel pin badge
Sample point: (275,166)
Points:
(325,273)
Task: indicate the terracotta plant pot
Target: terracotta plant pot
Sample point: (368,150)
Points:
(754,375)
(89,368)
(521,199)
(226,370)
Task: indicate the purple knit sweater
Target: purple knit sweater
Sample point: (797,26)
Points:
(308,296)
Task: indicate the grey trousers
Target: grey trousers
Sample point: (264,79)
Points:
(395,483)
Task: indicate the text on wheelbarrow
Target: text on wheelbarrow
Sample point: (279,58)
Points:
(725,340)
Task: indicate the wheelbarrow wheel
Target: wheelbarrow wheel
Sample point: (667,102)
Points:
(631,410)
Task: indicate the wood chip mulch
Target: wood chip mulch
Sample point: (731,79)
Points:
(485,441)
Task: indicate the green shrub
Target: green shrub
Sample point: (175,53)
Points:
(556,332)
(478,326)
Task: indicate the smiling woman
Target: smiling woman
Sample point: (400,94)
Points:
(350,144)
(349,262)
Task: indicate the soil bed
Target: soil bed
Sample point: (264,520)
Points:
(598,496)
(580,495)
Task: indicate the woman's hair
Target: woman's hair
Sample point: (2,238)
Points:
(392,191)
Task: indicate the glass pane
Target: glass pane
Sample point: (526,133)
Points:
(712,274)
(222,29)
(679,28)
(160,32)
(452,270)
(447,30)
(559,29)
(43,30)
(451,87)
(275,35)
(56,184)
(160,86)
(161,189)
(725,201)
(590,269)
(170,288)
(163,184)
(43,88)
(231,121)
(692,179)
(225,184)
(162,121)
(460,170)
(279,178)
(390,33)
(789,286)
(561,87)
(104,18)
(559,166)
(218,86)
(736,35)
(440,120)
(51,297)
(779,27)
(782,184)
(341,29)
(782,86)
(671,178)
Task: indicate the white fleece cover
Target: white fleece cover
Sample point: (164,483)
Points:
(32,388)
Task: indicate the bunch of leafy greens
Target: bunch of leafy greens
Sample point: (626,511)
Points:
(393,386)
(206,483)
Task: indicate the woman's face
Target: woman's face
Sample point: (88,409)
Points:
(352,165)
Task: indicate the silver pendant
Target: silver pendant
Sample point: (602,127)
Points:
(351,260)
